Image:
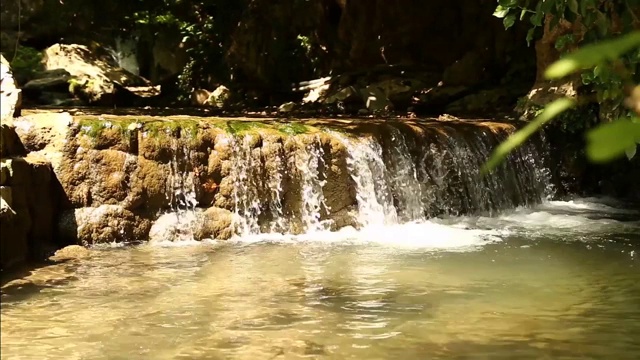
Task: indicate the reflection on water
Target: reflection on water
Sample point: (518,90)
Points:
(558,281)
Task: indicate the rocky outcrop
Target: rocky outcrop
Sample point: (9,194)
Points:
(102,225)
(10,95)
(128,179)
(27,188)
(75,74)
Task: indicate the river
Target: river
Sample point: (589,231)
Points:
(560,280)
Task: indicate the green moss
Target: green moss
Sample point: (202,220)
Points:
(293,128)
(243,127)
(157,128)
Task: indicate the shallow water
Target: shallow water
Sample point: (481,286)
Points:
(558,281)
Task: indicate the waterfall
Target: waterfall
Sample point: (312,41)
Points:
(309,161)
(178,222)
(369,172)
(394,174)
(246,175)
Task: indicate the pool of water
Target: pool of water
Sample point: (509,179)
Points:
(560,281)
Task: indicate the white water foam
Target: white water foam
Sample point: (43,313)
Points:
(417,235)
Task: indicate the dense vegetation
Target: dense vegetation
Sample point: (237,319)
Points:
(608,62)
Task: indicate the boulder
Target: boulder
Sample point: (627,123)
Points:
(200,97)
(50,87)
(71,252)
(213,223)
(216,224)
(27,209)
(10,95)
(220,97)
(10,144)
(98,79)
(102,225)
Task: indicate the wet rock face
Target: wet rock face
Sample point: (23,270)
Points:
(102,225)
(27,198)
(116,174)
(130,179)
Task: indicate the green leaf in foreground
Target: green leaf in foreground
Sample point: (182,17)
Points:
(592,55)
(501,12)
(519,137)
(612,140)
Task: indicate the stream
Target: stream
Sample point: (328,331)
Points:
(558,280)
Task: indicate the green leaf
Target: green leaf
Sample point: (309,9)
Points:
(519,137)
(523,13)
(509,20)
(593,54)
(609,141)
(631,152)
(501,12)
(573,6)
(530,35)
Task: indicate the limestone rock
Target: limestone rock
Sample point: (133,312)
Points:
(200,97)
(216,224)
(220,97)
(101,225)
(98,79)
(28,204)
(10,144)
(287,107)
(96,177)
(10,95)
(346,94)
(45,135)
(213,223)
(50,87)
(7,199)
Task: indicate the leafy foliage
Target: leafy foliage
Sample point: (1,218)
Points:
(598,20)
(607,141)
(26,62)
(205,28)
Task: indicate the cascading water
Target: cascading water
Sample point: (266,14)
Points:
(368,170)
(247,182)
(394,175)
(177,224)
(308,161)
(404,179)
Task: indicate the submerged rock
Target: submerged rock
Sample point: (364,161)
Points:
(71,252)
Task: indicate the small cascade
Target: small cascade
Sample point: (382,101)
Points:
(177,224)
(395,174)
(245,172)
(309,162)
(368,170)
(403,179)
(275,174)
